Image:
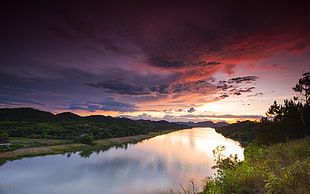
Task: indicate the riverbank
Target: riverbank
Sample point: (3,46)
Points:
(98,145)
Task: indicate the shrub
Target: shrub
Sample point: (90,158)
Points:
(280,168)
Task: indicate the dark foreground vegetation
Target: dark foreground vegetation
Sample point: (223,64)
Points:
(35,124)
(277,150)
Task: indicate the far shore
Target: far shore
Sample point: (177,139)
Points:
(65,148)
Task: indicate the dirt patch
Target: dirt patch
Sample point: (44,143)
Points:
(122,139)
(25,151)
(45,149)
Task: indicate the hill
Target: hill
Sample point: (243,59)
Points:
(32,123)
(25,114)
(67,116)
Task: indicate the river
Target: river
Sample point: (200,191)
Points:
(156,165)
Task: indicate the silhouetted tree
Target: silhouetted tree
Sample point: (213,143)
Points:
(303,86)
(290,114)
(290,120)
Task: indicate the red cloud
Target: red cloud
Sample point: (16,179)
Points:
(262,67)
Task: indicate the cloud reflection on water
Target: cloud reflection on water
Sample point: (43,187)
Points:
(151,166)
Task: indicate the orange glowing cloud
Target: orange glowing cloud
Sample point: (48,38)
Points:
(144,56)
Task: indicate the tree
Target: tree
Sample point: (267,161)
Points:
(4,137)
(88,139)
(303,86)
(290,120)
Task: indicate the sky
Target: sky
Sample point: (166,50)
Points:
(170,60)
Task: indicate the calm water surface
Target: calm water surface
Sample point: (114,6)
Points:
(151,166)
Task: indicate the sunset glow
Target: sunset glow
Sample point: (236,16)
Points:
(170,60)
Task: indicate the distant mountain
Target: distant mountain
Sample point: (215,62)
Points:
(204,124)
(162,124)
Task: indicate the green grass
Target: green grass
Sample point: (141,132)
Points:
(279,168)
(24,139)
(27,143)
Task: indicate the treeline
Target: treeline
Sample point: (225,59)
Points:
(32,123)
(290,121)
(283,122)
(240,131)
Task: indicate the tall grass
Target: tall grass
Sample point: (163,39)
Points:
(279,168)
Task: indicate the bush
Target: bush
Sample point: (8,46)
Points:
(4,136)
(292,179)
(280,168)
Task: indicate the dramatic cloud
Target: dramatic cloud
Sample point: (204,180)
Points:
(257,94)
(147,55)
(225,116)
(227,32)
(191,110)
(111,105)
(18,102)
(193,117)
(259,67)
(121,87)
(131,88)
(238,80)
(108,104)
(233,85)
(224,96)
(165,62)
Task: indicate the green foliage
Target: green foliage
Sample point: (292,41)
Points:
(4,136)
(290,120)
(222,162)
(35,144)
(87,139)
(31,123)
(279,168)
(25,114)
(241,131)
(269,166)
(233,176)
(267,132)
(288,123)
(291,179)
